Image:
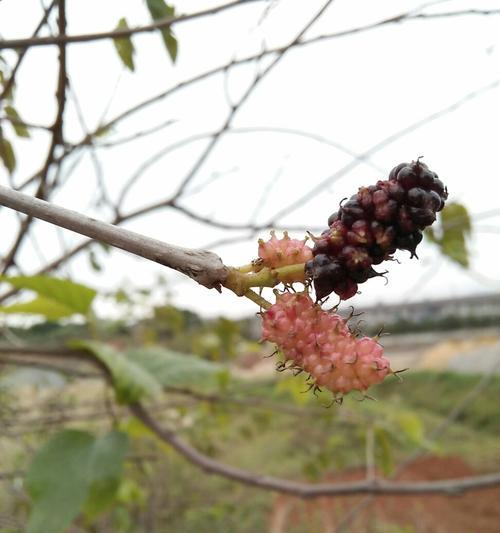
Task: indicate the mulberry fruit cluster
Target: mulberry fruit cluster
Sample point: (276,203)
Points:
(277,253)
(320,343)
(372,225)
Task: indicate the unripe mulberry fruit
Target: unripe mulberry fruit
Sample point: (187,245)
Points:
(372,225)
(277,253)
(320,343)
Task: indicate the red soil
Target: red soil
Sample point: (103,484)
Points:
(476,511)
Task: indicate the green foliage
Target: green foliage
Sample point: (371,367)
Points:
(20,129)
(130,381)
(158,9)
(143,372)
(440,392)
(173,369)
(383,449)
(455,228)
(124,46)
(56,298)
(71,468)
(105,466)
(50,309)
(7,154)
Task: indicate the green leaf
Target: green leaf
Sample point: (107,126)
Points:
(412,427)
(94,263)
(7,154)
(456,226)
(20,129)
(57,481)
(50,309)
(102,131)
(74,297)
(73,467)
(171,43)
(383,450)
(106,465)
(159,10)
(124,46)
(175,369)
(131,381)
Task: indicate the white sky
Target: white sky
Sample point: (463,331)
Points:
(355,90)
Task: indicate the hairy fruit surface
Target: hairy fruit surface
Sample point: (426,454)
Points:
(320,343)
(372,225)
(277,253)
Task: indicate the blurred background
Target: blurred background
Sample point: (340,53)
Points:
(240,118)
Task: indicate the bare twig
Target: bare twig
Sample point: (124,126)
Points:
(12,78)
(57,138)
(305,490)
(22,44)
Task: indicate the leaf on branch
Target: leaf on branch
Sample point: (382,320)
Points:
(175,369)
(131,381)
(124,46)
(20,129)
(57,298)
(71,468)
(455,227)
(94,263)
(158,9)
(50,309)
(7,154)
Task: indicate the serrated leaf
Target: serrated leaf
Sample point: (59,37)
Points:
(456,226)
(20,129)
(7,154)
(50,309)
(74,296)
(131,381)
(71,468)
(158,9)
(175,369)
(105,465)
(124,46)
(57,481)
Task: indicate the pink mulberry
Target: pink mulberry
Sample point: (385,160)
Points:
(277,253)
(320,343)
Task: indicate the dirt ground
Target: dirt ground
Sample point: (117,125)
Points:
(473,512)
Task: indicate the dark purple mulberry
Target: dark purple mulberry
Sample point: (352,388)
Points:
(370,226)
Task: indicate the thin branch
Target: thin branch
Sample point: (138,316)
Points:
(57,138)
(210,135)
(160,24)
(452,417)
(235,108)
(10,82)
(204,267)
(305,490)
(314,191)
(270,51)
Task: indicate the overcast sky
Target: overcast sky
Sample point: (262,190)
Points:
(353,91)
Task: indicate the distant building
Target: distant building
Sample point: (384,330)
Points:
(455,312)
